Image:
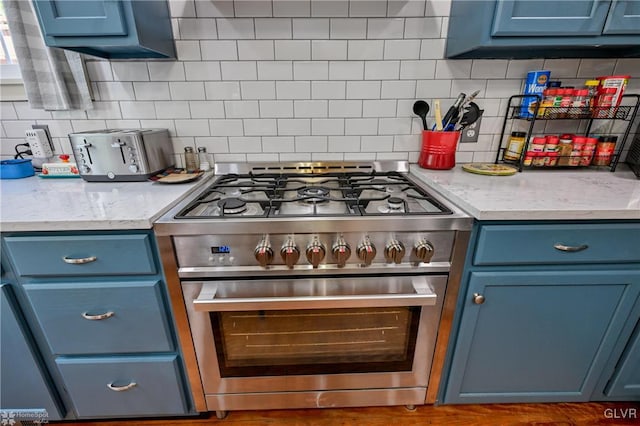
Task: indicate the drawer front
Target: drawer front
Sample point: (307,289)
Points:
(82,255)
(556,244)
(123,386)
(105,317)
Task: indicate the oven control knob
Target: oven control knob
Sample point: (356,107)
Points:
(394,251)
(423,250)
(366,252)
(290,253)
(263,253)
(315,252)
(341,252)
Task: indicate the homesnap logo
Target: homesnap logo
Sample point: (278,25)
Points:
(11,417)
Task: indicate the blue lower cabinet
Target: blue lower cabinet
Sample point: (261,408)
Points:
(538,336)
(26,392)
(626,379)
(123,386)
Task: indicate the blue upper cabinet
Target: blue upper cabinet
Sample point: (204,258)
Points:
(115,29)
(543,29)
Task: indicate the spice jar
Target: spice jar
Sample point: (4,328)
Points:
(538,159)
(588,151)
(515,146)
(592,88)
(528,158)
(604,150)
(604,102)
(190,159)
(564,149)
(548,100)
(576,150)
(538,143)
(579,104)
(203,158)
(551,146)
(551,160)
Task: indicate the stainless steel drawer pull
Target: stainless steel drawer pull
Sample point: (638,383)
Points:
(77,261)
(562,247)
(121,388)
(106,315)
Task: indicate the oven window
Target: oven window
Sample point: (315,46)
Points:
(315,341)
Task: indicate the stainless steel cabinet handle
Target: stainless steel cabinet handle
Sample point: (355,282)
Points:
(121,388)
(78,261)
(106,315)
(478,299)
(562,247)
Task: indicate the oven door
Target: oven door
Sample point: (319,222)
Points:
(314,334)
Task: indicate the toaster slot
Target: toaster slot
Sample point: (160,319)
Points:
(119,144)
(86,146)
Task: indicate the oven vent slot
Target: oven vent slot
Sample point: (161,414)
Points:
(314,168)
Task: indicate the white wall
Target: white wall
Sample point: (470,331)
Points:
(302,80)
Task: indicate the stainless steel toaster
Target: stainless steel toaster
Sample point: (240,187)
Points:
(121,154)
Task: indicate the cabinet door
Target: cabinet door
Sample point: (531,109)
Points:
(538,336)
(626,379)
(25,389)
(71,18)
(549,18)
(624,18)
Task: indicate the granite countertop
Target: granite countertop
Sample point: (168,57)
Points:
(36,204)
(583,194)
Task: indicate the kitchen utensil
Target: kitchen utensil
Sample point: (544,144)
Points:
(489,169)
(438,114)
(421,109)
(16,169)
(453,111)
(470,116)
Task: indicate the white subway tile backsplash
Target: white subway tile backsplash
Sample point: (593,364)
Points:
(278,144)
(207,109)
(346,70)
(115,91)
(628,66)
(293,90)
(407,143)
(518,68)
(166,71)
(467,87)
(394,89)
(188,50)
(385,28)
(214,144)
(197,29)
(156,124)
(294,126)
(245,144)
(308,109)
(422,28)
(295,156)
(401,49)
(273,28)
(85,125)
(253,8)
(260,127)
(235,29)
(172,109)
(590,68)
(348,29)
(363,89)
(214,8)
(327,126)
(242,109)
(103,110)
(359,156)
(16,129)
(199,127)
(151,91)
(217,90)
(561,68)
(241,70)
(258,89)
(328,90)
(344,143)
(119,124)
(327,156)
(57,128)
(311,70)
(291,8)
(502,88)
(328,49)
(298,50)
(263,158)
(406,8)
(187,90)
(438,8)
(311,143)
(219,50)
(226,127)
(394,126)
(417,70)
(99,70)
(395,156)
(381,70)
(365,49)
(343,108)
(331,8)
(489,68)
(182,8)
(310,29)
(376,143)
(448,68)
(361,126)
(432,48)
(202,71)
(25,112)
(276,109)
(252,50)
(431,89)
(367,8)
(379,108)
(231,158)
(7,111)
(275,70)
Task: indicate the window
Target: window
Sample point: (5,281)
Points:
(12,88)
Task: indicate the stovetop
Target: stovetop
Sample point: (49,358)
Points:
(345,193)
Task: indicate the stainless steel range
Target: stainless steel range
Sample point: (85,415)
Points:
(313,285)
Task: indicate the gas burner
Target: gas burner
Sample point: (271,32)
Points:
(379,184)
(232,206)
(313,194)
(395,203)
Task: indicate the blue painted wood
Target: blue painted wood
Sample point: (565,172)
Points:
(138,323)
(113,29)
(534,244)
(118,254)
(540,336)
(24,382)
(626,379)
(158,389)
(82,18)
(549,18)
(623,18)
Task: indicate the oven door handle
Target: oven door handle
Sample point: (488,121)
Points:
(209,301)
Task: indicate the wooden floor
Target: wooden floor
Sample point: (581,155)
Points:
(450,415)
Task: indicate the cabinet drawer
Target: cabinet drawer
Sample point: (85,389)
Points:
(123,386)
(554,244)
(81,255)
(105,317)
